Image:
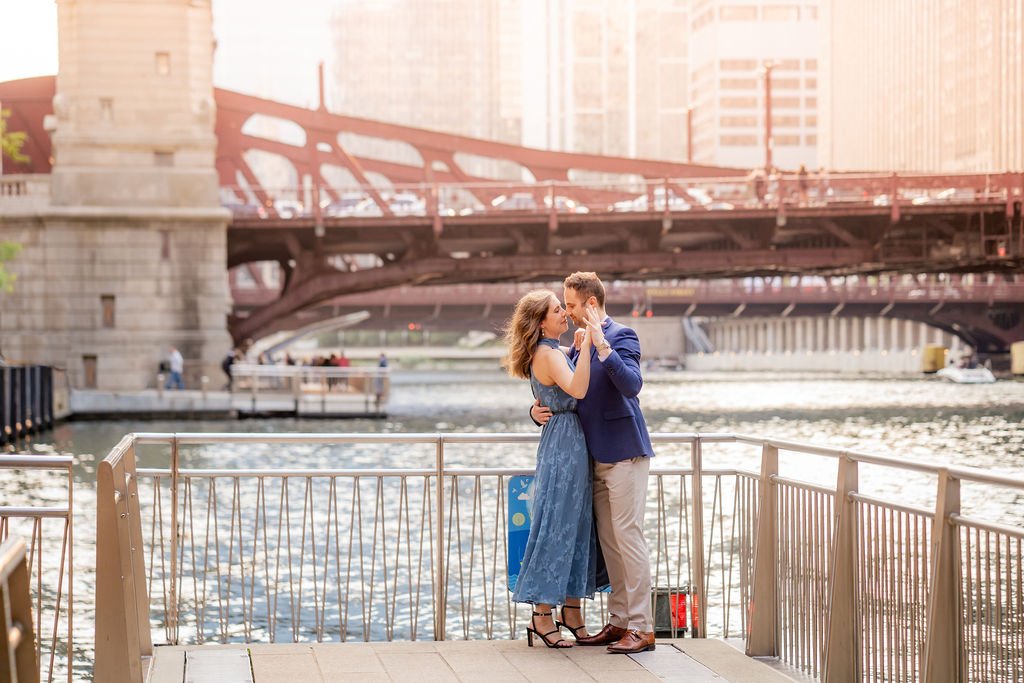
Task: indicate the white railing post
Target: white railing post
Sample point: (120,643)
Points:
(700,592)
(172,609)
(842,636)
(441,585)
(763,640)
(943,658)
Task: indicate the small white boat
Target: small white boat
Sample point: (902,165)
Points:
(978,375)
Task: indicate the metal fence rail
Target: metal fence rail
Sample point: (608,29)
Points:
(310,390)
(841,584)
(51,575)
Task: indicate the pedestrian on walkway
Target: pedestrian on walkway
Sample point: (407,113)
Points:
(176,366)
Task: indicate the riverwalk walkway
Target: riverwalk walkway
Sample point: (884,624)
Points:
(496,661)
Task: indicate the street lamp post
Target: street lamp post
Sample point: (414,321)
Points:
(689,135)
(767,69)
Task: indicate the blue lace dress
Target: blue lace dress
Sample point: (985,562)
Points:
(560,556)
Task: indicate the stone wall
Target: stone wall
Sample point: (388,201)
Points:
(162,276)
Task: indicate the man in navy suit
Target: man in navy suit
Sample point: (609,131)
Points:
(620,448)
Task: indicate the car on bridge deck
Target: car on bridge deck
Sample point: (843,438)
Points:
(240,209)
(351,204)
(517,201)
(289,208)
(407,204)
(565,204)
(675,202)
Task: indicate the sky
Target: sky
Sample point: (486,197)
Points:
(268,48)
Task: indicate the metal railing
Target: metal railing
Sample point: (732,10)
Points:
(17,637)
(51,575)
(311,390)
(632,194)
(841,584)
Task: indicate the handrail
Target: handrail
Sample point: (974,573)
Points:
(17,637)
(797,549)
(65,571)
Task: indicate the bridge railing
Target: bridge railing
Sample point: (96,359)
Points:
(561,199)
(410,540)
(47,528)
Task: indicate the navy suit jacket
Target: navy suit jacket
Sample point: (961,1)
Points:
(610,412)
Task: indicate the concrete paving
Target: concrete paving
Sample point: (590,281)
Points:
(496,661)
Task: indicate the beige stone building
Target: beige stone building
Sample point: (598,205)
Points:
(124,252)
(923,85)
(730,42)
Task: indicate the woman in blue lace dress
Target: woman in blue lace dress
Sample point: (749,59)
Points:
(558,567)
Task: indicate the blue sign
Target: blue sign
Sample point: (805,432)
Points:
(520,491)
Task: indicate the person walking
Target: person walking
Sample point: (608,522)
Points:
(618,442)
(559,564)
(175,367)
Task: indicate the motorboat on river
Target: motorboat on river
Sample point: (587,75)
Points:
(978,375)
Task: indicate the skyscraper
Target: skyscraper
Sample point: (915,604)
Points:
(923,85)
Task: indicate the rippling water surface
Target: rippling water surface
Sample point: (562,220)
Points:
(916,418)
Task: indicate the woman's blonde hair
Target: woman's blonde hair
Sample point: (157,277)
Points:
(522,332)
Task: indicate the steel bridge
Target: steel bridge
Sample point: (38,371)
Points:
(417,207)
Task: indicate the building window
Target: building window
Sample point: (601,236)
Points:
(738,83)
(165,245)
(811,120)
(738,121)
(786,121)
(107,108)
(786,140)
(107,305)
(737,140)
(163,158)
(737,13)
(786,102)
(738,102)
(811,140)
(811,82)
(786,83)
(163,63)
(789,65)
(89,368)
(811,64)
(812,102)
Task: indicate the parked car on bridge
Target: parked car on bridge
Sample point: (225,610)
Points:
(407,204)
(565,205)
(240,209)
(351,204)
(706,201)
(675,202)
(289,208)
(517,201)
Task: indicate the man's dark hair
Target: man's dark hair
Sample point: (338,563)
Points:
(587,284)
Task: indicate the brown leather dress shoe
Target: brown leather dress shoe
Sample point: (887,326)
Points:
(609,634)
(634,641)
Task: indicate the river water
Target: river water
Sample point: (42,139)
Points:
(916,418)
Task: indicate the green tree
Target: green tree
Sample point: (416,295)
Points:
(10,141)
(8,250)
